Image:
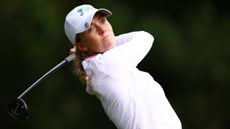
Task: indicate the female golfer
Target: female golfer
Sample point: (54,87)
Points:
(107,65)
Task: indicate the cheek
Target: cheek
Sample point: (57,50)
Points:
(93,44)
(110,42)
(91,40)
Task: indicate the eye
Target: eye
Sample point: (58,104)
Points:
(103,20)
(91,29)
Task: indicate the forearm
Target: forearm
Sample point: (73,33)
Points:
(127,56)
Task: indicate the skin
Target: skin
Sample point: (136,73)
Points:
(98,38)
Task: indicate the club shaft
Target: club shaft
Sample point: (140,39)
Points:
(55,68)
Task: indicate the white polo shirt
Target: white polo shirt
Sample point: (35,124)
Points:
(130,97)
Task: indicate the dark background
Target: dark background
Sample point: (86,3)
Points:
(190,59)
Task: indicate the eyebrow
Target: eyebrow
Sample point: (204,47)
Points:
(98,18)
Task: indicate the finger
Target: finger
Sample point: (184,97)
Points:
(72,50)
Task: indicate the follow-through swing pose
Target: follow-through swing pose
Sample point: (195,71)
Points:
(107,65)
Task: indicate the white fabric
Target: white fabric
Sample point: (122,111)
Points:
(130,97)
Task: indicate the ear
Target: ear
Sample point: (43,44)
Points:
(81,47)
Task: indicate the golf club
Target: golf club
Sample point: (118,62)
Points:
(18,108)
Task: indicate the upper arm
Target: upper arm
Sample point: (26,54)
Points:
(125,57)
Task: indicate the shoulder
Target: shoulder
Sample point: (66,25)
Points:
(91,62)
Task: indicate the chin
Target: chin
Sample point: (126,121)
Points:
(108,48)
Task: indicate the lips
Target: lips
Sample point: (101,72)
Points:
(106,37)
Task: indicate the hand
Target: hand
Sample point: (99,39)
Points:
(72,50)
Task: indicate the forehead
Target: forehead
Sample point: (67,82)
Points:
(99,15)
(96,18)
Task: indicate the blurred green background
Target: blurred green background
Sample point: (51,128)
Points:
(190,58)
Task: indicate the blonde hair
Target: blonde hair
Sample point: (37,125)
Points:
(78,68)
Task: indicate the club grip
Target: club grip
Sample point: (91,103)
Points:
(70,58)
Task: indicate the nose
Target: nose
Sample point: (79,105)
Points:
(101,29)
